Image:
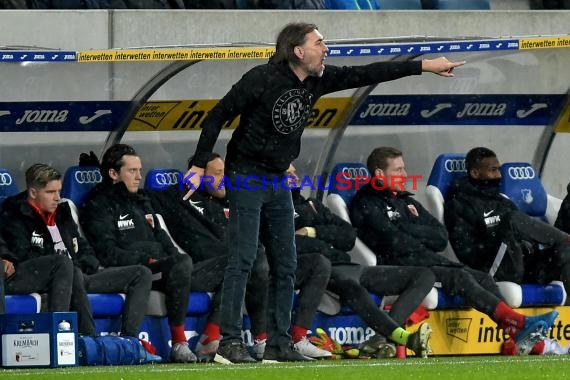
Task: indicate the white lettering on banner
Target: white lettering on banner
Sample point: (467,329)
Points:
(86,120)
(483,109)
(387,109)
(43,116)
(438,107)
(521,114)
(350,335)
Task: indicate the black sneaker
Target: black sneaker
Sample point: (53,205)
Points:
(419,341)
(234,352)
(283,354)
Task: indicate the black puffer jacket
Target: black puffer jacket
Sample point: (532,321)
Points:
(477,219)
(123,227)
(274,106)
(398,228)
(28,237)
(563,219)
(193,230)
(334,236)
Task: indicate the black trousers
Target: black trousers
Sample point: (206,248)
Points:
(51,274)
(542,265)
(133,280)
(172,276)
(477,288)
(412,284)
(311,278)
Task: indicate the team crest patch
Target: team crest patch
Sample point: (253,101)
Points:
(291,111)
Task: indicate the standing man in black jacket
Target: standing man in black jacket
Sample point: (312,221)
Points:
(402,232)
(319,231)
(198,225)
(274,101)
(479,218)
(41,226)
(120,222)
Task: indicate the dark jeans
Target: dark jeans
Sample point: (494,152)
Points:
(272,208)
(412,284)
(312,277)
(255,295)
(51,274)
(172,276)
(135,282)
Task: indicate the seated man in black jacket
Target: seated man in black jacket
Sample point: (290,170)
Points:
(479,218)
(122,226)
(401,231)
(319,231)
(41,231)
(51,274)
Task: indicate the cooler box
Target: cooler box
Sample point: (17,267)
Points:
(39,340)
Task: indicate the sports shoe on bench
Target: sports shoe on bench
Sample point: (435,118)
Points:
(233,352)
(306,348)
(419,341)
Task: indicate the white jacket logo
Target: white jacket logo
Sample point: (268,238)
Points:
(125,224)
(37,240)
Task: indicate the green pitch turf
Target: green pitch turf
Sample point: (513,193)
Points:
(471,368)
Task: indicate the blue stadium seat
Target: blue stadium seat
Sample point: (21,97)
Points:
(78,181)
(450,166)
(23,303)
(399,4)
(8,186)
(447,168)
(522,185)
(161,178)
(344,182)
(461,4)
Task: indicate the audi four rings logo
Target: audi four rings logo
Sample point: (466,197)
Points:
(455,165)
(5,179)
(166,179)
(88,176)
(521,172)
(350,173)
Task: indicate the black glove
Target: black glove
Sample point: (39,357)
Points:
(88,159)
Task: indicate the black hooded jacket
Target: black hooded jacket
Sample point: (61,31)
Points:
(122,226)
(334,235)
(274,107)
(477,219)
(398,228)
(563,219)
(28,237)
